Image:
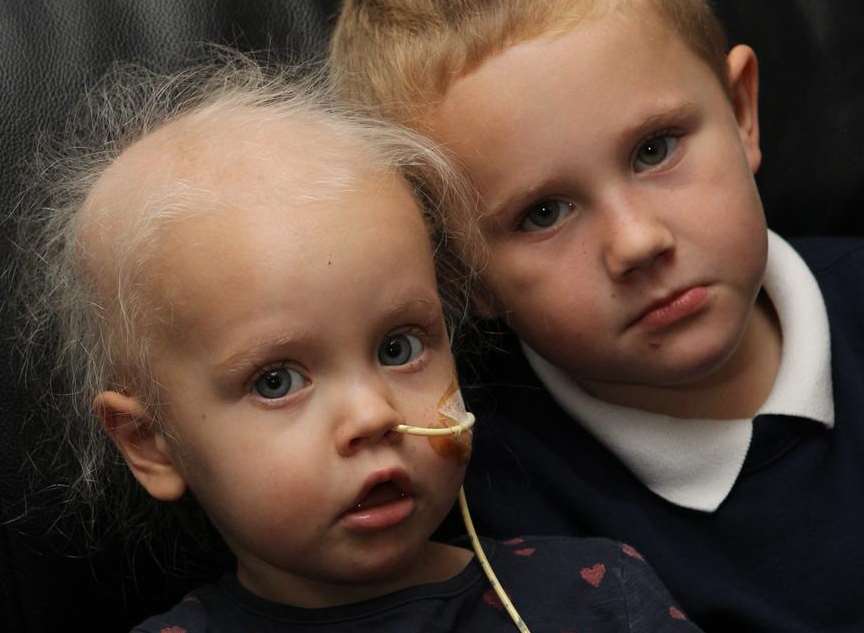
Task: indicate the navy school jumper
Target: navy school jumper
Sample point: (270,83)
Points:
(783,553)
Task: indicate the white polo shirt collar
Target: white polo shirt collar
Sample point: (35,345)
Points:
(694,463)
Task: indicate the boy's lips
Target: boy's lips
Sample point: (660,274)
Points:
(384,500)
(672,308)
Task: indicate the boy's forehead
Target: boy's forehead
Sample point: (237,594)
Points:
(605,77)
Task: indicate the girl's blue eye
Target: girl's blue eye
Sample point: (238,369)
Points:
(545,214)
(653,152)
(278,382)
(399,349)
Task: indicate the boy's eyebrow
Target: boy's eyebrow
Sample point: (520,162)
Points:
(659,117)
(663,116)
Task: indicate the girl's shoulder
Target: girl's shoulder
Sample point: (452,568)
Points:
(605,583)
(187,616)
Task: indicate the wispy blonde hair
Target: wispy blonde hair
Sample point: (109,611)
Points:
(77,339)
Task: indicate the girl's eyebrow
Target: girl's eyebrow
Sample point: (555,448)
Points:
(257,351)
(411,306)
(253,354)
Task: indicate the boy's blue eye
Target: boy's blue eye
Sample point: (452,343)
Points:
(545,214)
(399,349)
(278,382)
(653,152)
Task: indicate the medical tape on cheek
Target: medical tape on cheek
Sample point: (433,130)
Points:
(452,438)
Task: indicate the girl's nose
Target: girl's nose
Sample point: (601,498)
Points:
(368,418)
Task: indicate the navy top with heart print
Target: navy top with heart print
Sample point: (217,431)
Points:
(558,585)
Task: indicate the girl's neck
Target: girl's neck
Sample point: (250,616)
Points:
(436,563)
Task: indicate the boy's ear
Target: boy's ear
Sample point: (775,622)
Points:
(743,69)
(142,443)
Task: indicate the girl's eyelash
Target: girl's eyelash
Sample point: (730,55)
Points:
(425,335)
(428,335)
(428,329)
(261,371)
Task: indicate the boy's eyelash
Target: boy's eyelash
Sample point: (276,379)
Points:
(662,133)
(652,136)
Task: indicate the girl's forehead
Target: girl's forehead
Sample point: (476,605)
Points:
(222,197)
(230,270)
(230,160)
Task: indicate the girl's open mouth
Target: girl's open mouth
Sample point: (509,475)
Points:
(384,501)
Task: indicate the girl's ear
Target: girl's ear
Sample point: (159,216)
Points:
(743,71)
(142,443)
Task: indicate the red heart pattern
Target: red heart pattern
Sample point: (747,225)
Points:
(677,614)
(593,575)
(631,551)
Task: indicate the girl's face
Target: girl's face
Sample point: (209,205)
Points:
(301,337)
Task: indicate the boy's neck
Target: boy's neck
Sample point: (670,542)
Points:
(736,391)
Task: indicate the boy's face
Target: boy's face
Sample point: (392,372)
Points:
(302,334)
(627,238)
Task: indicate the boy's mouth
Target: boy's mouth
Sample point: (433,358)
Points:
(673,308)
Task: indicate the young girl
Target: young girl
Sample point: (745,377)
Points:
(242,281)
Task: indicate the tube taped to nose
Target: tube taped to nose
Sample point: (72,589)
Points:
(450,434)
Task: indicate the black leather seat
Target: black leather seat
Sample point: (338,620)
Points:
(812,181)
(48,52)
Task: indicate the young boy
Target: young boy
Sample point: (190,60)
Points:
(244,287)
(714,369)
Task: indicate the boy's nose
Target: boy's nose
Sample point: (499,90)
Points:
(636,241)
(369,417)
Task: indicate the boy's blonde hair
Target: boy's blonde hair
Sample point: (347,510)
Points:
(401,56)
(81,335)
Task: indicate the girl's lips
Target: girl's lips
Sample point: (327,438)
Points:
(674,308)
(384,500)
(379,517)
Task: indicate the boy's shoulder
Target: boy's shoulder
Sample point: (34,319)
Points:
(838,266)
(826,254)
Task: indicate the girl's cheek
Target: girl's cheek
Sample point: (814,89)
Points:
(450,410)
(452,446)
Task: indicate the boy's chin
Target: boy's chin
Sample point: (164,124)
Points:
(689,367)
